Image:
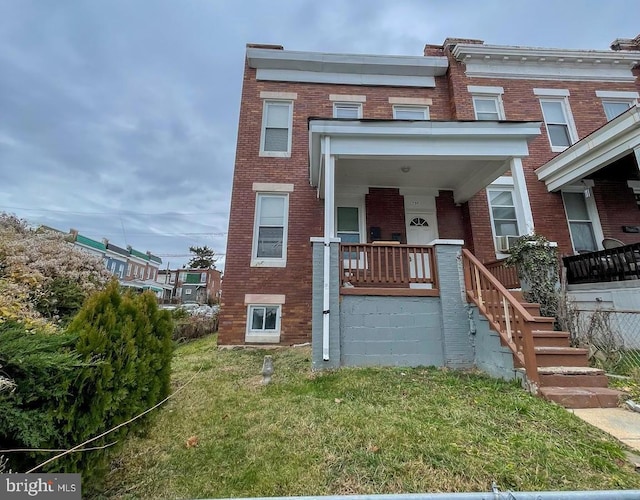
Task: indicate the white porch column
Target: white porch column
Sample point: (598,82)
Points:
(636,151)
(329,233)
(521,193)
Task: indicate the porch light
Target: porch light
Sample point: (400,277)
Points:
(405,169)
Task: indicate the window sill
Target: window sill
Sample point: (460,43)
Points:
(276,154)
(262,338)
(268,263)
(559,149)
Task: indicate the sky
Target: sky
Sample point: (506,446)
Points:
(118,118)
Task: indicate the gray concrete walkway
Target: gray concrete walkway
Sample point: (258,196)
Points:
(621,423)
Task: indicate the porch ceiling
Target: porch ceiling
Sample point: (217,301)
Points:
(460,156)
(618,138)
(434,173)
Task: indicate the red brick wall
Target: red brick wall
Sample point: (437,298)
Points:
(450,101)
(305,209)
(385,209)
(450,217)
(617,207)
(521,104)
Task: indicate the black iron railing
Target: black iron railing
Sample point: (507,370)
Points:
(614,264)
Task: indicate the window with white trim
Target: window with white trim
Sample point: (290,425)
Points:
(348,224)
(616,102)
(263,322)
(488,108)
(559,124)
(487,102)
(410,112)
(203,277)
(580,222)
(187,291)
(614,108)
(503,212)
(347,110)
(270,230)
(277,117)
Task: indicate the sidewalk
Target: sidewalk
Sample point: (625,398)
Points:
(621,423)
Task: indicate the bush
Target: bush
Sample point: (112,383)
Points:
(127,341)
(42,368)
(194,327)
(111,364)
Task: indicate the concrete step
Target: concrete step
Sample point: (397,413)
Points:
(582,397)
(547,338)
(561,356)
(572,376)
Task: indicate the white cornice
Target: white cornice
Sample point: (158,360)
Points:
(489,61)
(355,69)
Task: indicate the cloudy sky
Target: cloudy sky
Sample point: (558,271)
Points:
(119,117)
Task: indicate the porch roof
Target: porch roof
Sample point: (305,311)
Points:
(607,144)
(461,156)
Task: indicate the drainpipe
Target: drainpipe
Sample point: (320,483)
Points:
(329,172)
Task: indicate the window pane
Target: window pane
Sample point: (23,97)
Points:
(553,112)
(559,135)
(346,111)
(348,219)
(349,237)
(506,228)
(501,198)
(257,318)
(582,236)
(576,206)
(485,105)
(270,242)
(277,115)
(504,213)
(271,317)
(271,210)
(613,109)
(410,113)
(276,139)
(488,116)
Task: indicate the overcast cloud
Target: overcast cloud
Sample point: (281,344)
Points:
(119,117)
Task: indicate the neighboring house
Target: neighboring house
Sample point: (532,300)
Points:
(116,259)
(133,268)
(358,180)
(198,285)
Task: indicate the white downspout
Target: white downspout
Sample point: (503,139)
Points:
(329,172)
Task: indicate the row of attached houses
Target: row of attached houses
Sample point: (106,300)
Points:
(370,190)
(132,268)
(191,285)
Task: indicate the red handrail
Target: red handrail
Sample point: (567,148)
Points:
(506,315)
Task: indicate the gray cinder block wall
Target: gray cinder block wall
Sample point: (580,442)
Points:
(458,348)
(490,356)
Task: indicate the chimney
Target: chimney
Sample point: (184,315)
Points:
(449,42)
(626,43)
(73,233)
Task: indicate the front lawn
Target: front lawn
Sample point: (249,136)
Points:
(354,431)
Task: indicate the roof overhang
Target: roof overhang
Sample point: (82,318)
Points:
(609,143)
(484,148)
(487,61)
(350,69)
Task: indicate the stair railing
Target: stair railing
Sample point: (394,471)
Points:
(505,314)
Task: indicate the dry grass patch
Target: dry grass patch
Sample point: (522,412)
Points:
(354,431)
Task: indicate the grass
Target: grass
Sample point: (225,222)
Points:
(354,431)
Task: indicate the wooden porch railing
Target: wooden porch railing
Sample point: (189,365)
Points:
(613,264)
(505,314)
(387,265)
(507,275)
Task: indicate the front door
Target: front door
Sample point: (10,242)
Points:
(421,230)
